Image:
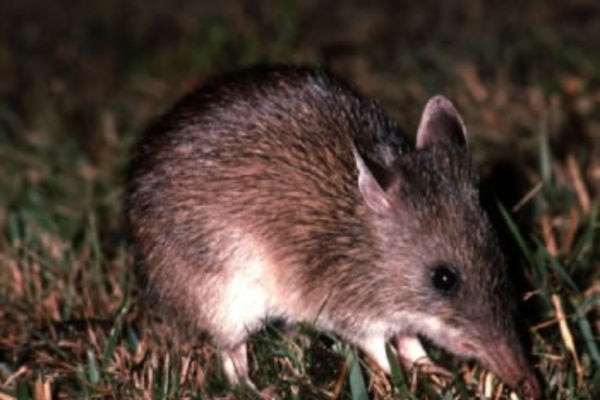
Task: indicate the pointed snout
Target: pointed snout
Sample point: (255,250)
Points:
(511,366)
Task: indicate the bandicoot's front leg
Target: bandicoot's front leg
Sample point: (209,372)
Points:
(412,355)
(374,348)
(409,351)
(235,365)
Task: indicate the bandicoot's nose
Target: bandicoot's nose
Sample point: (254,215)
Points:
(510,364)
(529,388)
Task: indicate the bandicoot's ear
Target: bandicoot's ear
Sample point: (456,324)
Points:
(440,122)
(376,183)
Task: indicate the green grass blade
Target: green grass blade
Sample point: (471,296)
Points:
(93,373)
(358,388)
(115,333)
(514,230)
(461,388)
(398,378)
(588,336)
(545,155)
(52,345)
(132,339)
(23,391)
(553,262)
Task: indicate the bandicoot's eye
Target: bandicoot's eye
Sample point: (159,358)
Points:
(444,279)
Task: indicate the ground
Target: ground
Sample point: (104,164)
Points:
(80,80)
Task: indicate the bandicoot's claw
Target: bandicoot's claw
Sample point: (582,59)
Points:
(428,367)
(268,393)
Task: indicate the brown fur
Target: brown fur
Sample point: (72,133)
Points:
(259,165)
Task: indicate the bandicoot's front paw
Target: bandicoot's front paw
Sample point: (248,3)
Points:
(428,367)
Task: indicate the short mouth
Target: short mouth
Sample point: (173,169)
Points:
(466,348)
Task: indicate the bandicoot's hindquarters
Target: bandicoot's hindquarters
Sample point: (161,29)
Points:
(283,193)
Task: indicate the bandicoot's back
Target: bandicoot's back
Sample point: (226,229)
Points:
(282,193)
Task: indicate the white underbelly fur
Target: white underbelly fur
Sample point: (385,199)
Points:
(251,292)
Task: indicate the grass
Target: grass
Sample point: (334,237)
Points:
(81,81)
